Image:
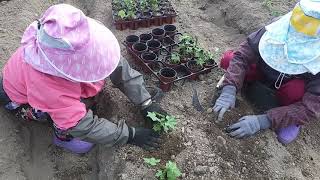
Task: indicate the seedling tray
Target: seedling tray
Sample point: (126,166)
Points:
(154,59)
(145,18)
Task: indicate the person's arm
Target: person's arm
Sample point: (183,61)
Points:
(130,82)
(99,130)
(300,112)
(246,54)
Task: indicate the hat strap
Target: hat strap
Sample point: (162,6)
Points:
(279,80)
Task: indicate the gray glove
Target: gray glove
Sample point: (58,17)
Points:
(249,125)
(226,101)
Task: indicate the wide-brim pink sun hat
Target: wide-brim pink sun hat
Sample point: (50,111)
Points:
(67,44)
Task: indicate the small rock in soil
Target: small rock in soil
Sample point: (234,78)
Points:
(199,170)
(221,141)
(173,157)
(209,110)
(188,144)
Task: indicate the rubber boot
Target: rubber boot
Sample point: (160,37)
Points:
(288,134)
(75,145)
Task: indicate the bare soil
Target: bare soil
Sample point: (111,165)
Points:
(200,146)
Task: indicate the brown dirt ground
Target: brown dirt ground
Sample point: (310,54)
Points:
(200,146)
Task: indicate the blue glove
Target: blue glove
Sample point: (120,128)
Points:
(226,101)
(248,126)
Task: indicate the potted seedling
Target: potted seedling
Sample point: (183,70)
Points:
(173,60)
(162,122)
(187,45)
(210,61)
(154,5)
(144,6)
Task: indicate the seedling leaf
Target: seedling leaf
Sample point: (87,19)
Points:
(151,161)
(172,171)
(160,174)
(153,116)
(122,14)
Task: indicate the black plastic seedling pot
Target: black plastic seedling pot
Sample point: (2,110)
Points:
(158,33)
(154,46)
(170,30)
(167,75)
(154,56)
(145,37)
(130,40)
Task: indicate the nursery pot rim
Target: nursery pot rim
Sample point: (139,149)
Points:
(153,40)
(194,62)
(139,43)
(174,76)
(169,30)
(131,36)
(145,35)
(158,29)
(148,53)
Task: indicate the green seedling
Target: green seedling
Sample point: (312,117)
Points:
(154,5)
(200,55)
(151,161)
(131,14)
(122,14)
(162,122)
(175,58)
(143,5)
(170,172)
(270,6)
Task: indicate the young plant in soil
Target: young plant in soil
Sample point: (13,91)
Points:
(162,123)
(201,56)
(169,172)
(144,6)
(154,5)
(175,58)
(187,45)
(151,161)
(128,11)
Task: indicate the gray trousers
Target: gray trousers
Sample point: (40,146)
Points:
(99,130)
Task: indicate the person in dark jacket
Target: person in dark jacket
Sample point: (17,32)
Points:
(284,56)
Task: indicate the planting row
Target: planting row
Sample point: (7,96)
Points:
(133,14)
(169,55)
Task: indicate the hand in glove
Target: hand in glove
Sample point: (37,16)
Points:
(225,101)
(248,126)
(153,107)
(145,138)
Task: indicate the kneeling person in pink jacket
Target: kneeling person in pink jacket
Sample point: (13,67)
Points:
(64,57)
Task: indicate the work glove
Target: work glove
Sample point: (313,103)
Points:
(226,101)
(248,126)
(144,138)
(153,107)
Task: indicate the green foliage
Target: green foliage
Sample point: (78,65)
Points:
(122,14)
(162,122)
(143,5)
(170,172)
(270,6)
(175,58)
(200,55)
(151,161)
(154,5)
